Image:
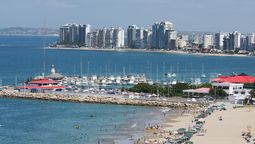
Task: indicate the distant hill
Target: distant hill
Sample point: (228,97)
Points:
(20,31)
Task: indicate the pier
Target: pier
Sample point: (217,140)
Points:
(97,99)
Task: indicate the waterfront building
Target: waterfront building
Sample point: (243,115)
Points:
(170,39)
(147,38)
(139,38)
(181,43)
(41,85)
(155,35)
(237,40)
(232,41)
(226,43)
(101,38)
(87,29)
(94,43)
(218,39)
(208,41)
(64,34)
(250,39)
(131,36)
(163,27)
(89,39)
(243,43)
(73,34)
(109,38)
(118,38)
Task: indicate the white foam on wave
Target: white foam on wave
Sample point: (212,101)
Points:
(133,126)
(164,110)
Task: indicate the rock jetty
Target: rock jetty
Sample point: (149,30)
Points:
(96,99)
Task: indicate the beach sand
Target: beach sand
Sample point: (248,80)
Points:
(229,130)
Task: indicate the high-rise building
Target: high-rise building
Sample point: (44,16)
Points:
(64,34)
(163,27)
(73,34)
(101,38)
(155,35)
(87,29)
(89,39)
(208,41)
(118,38)
(237,40)
(139,38)
(243,43)
(159,34)
(147,37)
(94,43)
(109,38)
(250,42)
(232,41)
(218,39)
(170,39)
(131,36)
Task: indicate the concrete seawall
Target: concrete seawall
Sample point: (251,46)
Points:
(97,99)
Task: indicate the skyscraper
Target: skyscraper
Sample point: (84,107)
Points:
(170,39)
(208,41)
(155,35)
(131,36)
(218,39)
(118,38)
(64,34)
(101,38)
(139,38)
(109,38)
(147,38)
(163,27)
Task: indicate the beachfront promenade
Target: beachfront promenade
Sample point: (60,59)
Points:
(98,99)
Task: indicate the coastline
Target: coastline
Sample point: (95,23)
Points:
(236,122)
(97,99)
(147,51)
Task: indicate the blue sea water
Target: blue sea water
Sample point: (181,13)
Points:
(43,122)
(23,57)
(29,122)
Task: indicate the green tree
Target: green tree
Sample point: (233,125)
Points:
(217,93)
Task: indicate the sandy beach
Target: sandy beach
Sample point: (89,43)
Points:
(229,130)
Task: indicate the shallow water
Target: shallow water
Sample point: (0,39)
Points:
(33,121)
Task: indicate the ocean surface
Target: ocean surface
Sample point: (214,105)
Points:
(30,121)
(43,122)
(23,57)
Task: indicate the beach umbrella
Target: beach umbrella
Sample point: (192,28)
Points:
(189,133)
(199,123)
(189,142)
(201,120)
(181,130)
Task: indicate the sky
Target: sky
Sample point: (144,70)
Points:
(186,15)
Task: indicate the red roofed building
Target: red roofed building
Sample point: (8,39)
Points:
(41,85)
(242,78)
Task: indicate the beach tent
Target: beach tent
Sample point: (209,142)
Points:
(189,142)
(201,120)
(181,130)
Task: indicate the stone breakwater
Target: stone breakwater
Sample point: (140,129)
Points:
(97,99)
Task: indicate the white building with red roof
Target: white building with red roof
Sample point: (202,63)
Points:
(41,85)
